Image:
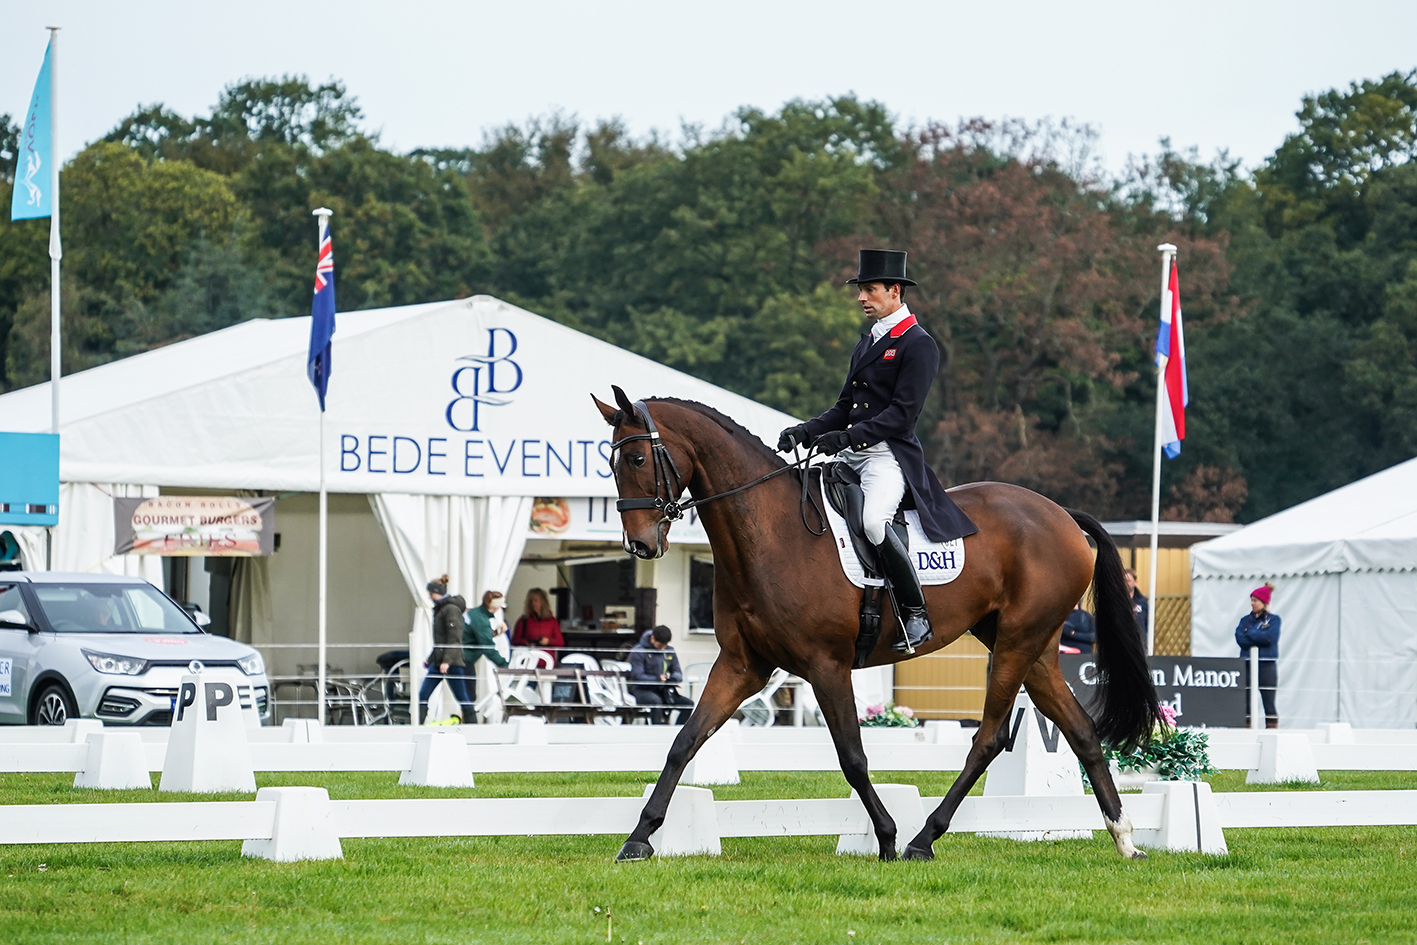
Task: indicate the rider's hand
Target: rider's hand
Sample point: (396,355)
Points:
(792,437)
(833,442)
(443,668)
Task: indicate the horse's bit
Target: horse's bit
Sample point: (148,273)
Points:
(664,466)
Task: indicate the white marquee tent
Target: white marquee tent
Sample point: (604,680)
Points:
(450,416)
(1344,567)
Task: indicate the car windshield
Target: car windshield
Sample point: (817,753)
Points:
(111,608)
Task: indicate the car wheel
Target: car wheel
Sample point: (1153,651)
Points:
(54,706)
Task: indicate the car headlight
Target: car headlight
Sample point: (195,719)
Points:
(117,665)
(252,665)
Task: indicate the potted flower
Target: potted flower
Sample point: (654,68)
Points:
(889,715)
(1174,754)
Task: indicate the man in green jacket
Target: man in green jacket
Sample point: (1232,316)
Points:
(477,638)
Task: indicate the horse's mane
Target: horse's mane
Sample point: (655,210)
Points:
(731,426)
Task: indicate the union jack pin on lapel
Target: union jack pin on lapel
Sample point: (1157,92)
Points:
(890,353)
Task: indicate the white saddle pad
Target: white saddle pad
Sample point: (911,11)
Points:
(937,562)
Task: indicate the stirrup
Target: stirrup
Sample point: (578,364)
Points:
(907,596)
(919,619)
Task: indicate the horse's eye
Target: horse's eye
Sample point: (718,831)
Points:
(638,459)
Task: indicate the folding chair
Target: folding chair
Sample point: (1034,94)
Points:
(758,709)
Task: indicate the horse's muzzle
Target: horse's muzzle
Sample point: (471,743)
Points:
(642,550)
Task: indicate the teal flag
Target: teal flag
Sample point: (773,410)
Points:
(34,178)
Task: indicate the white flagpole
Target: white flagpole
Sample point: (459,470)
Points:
(55,251)
(323,216)
(1167,252)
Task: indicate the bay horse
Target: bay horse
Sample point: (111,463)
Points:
(781,599)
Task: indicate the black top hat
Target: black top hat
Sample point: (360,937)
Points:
(880,265)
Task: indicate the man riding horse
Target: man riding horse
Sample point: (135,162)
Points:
(872,429)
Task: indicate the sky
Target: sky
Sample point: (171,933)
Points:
(1214,75)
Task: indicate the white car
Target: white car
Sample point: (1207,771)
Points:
(102,646)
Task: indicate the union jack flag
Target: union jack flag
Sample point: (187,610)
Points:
(325,268)
(322,315)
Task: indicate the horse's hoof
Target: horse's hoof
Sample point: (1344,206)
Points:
(633,851)
(917,853)
(1137,855)
(888,853)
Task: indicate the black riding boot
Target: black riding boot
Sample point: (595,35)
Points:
(905,589)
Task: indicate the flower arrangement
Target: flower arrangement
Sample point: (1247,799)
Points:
(889,715)
(1177,754)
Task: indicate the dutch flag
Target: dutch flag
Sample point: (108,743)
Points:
(1171,366)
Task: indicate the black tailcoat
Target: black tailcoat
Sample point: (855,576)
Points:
(884,393)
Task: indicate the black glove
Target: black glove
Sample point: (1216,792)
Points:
(792,437)
(833,442)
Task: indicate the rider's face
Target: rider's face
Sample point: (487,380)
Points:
(878,299)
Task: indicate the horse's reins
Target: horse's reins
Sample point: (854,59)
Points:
(664,467)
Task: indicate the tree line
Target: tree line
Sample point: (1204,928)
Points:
(723,253)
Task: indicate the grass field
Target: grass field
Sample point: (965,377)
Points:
(1292,886)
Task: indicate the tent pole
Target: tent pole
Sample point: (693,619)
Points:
(1167,251)
(324,571)
(1256,707)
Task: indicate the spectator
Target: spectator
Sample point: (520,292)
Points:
(655,675)
(537,626)
(1260,628)
(446,660)
(478,638)
(1079,630)
(1140,605)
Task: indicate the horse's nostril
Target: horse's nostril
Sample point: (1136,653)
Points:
(639,549)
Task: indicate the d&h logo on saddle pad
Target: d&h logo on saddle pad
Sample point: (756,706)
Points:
(937,562)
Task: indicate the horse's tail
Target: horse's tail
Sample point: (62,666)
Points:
(1124,706)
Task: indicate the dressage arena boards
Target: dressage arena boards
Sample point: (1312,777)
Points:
(780,875)
(300,823)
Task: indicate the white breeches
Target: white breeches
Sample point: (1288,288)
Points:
(882,485)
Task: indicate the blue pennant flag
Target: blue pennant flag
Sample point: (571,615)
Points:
(34,178)
(322,315)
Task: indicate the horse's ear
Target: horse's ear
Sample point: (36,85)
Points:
(623,401)
(606,411)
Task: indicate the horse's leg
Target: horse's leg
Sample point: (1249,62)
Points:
(1054,699)
(727,686)
(1004,681)
(838,703)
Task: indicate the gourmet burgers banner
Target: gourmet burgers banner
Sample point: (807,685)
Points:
(184,526)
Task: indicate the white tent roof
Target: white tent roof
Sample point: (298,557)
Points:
(1368,525)
(471,397)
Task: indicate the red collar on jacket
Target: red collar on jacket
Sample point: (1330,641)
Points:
(905,325)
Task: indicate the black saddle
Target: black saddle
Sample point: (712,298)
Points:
(842,487)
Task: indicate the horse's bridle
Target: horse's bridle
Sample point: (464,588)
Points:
(664,466)
(672,510)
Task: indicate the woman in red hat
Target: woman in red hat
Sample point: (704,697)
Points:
(1260,628)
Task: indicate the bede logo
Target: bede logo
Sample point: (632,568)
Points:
(475,382)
